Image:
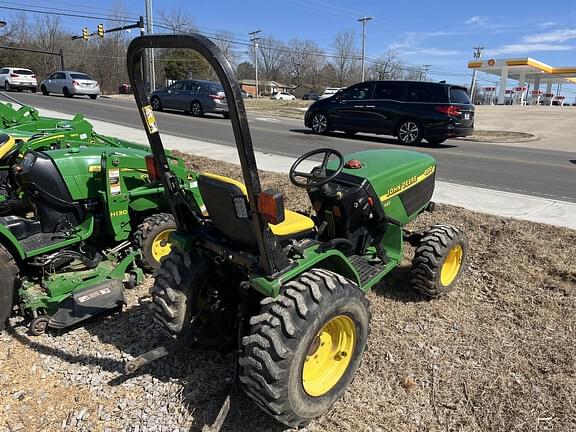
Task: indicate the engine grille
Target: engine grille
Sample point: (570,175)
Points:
(418,195)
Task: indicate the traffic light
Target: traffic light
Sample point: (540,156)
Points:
(101,30)
(85,34)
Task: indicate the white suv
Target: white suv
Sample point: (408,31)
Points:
(17,79)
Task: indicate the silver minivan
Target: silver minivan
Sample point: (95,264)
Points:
(70,83)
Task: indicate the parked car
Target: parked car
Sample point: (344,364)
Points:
(70,83)
(246,95)
(310,96)
(330,91)
(282,96)
(17,79)
(409,110)
(194,96)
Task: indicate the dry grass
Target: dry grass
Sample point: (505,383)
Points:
(277,108)
(497,354)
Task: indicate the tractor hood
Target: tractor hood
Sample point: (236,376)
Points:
(403,180)
(81,167)
(390,171)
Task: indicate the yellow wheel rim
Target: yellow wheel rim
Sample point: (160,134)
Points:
(451,265)
(329,356)
(161,245)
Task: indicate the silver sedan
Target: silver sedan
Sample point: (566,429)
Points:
(70,83)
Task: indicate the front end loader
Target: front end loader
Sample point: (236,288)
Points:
(286,291)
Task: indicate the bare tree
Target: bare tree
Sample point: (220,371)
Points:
(271,57)
(176,20)
(224,41)
(305,62)
(346,59)
(387,67)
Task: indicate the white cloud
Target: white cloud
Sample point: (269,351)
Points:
(561,35)
(476,19)
(524,48)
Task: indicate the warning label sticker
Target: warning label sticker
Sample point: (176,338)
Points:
(150,119)
(114,181)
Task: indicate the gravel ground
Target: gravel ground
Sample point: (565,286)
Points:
(497,354)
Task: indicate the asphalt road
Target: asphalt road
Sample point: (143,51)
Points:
(548,174)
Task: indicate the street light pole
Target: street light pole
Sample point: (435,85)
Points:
(477,55)
(364,20)
(254,41)
(150,30)
(425,69)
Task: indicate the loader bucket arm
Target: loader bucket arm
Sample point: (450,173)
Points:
(271,257)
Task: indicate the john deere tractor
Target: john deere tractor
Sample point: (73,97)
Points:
(287,291)
(75,224)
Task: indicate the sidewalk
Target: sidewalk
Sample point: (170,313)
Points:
(482,200)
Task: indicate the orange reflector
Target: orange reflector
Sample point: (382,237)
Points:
(152,168)
(271,206)
(336,211)
(370,201)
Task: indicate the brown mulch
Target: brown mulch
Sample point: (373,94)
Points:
(496,354)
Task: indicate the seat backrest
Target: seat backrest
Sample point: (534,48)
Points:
(219,194)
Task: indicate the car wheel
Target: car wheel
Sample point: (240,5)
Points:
(196,109)
(320,123)
(67,92)
(409,132)
(44,90)
(93,96)
(156,104)
(226,115)
(436,141)
(32,90)
(7,86)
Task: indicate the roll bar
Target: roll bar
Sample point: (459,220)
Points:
(271,256)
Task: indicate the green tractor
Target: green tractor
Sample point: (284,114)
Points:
(285,291)
(81,222)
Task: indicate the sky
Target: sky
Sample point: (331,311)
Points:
(439,33)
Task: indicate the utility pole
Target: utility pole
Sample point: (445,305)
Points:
(254,41)
(424,72)
(364,20)
(150,30)
(477,55)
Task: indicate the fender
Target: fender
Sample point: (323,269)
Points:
(11,243)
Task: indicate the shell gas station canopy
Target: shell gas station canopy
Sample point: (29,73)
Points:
(531,76)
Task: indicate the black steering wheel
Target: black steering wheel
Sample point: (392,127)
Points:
(317,177)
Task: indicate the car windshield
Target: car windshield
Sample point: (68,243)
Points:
(459,95)
(80,76)
(23,72)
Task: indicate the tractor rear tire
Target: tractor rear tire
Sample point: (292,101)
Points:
(439,260)
(151,237)
(178,288)
(303,349)
(8,279)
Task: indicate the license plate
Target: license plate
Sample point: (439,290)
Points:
(466,116)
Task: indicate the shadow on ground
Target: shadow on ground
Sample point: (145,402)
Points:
(376,139)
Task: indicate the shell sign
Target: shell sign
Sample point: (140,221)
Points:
(491,62)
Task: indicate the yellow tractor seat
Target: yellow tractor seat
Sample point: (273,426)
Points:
(7,146)
(215,188)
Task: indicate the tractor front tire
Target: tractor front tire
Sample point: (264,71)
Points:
(8,278)
(152,238)
(303,349)
(439,260)
(178,288)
